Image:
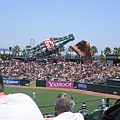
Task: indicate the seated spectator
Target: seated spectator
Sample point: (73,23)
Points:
(64,106)
(17,106)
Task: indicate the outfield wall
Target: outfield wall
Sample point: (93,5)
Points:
(102,88)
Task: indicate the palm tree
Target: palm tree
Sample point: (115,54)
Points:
(16,50)
(70,50)
(61,49)
(102,58)
(107,50)
(116,50)
(93,50)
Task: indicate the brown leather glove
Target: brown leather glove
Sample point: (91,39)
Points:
(82,48)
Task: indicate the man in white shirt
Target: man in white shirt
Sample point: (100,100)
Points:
(64,106)
(17,106)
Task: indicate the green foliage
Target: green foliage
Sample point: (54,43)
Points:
(116,50)
(93,50)
(107,50)
(16,50)
(102,58)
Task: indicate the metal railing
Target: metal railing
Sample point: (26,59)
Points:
(91,105)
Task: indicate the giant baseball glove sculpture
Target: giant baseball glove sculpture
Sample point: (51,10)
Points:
(82,48)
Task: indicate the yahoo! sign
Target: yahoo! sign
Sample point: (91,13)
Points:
(59,84)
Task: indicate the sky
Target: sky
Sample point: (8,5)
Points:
(96,21)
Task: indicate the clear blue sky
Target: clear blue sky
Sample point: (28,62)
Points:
(97,21)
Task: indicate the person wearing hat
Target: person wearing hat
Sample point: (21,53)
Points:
(17,106)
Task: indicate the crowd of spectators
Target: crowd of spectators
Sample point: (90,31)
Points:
(64,71)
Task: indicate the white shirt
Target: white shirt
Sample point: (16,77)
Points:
(69,116)
(19,106)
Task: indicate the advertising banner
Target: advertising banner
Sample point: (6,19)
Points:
(8,81)
(59,84)
(82,86)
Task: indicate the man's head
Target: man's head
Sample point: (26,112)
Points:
(1,83)
(64,103)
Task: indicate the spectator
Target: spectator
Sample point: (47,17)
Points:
(64,106)
(17,106)
(71,71)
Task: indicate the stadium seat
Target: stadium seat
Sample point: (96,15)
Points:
(95,115)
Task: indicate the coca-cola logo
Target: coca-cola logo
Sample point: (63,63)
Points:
(50,45)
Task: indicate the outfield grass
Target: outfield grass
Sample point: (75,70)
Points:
(47,97)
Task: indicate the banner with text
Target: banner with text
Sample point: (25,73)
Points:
(59,84)
(8,81)
(82,86)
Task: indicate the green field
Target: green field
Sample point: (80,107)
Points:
(47,97)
